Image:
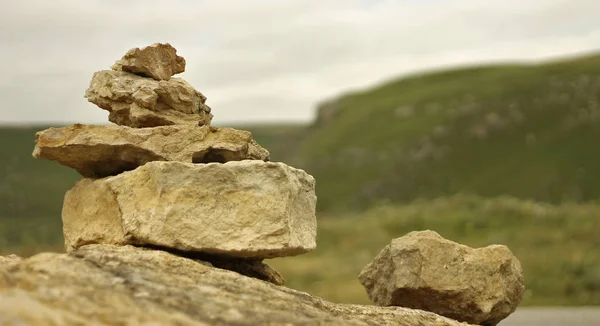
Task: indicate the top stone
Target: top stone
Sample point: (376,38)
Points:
(158,61)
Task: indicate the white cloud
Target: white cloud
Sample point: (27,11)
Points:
(268,59)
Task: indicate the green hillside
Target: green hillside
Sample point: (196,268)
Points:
(529,131)
(279,139)
(31,194)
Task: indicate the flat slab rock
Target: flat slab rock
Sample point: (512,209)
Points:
(422,270)
(241,209)
(100,151)
(141,102)
(158,61)
(114,285)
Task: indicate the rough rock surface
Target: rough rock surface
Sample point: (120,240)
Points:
(245,208)
(140,102)
(422,270)
(159,61)
(111,285)
(9,260)
(100,151)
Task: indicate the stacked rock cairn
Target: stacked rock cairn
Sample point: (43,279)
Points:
(164,178)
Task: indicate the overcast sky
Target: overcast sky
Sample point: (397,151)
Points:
(268,60)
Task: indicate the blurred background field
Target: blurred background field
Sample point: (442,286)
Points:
(503,154)
(557,245)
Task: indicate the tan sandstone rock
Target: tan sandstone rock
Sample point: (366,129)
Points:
(140,102)
(100,151)
(245,208)
(113,285)
(422,270)
(159,61)
(10,260)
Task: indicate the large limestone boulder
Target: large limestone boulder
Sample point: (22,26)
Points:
(243,208)
(159,61)
(100,151)
(112,285)
(140,102)
(422,270)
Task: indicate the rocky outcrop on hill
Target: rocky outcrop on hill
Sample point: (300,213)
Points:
(125,285)
(422,270)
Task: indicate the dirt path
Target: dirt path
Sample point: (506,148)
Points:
(585,316)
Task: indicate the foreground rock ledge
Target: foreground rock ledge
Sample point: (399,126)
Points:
(101,151)
(422,270)
(242,209)
(112,285)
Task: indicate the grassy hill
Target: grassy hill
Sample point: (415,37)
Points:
(528,131)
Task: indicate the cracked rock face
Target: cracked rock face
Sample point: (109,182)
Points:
(245,209)
(112,285)
(422,270)
(100,151)
(140,102)
(158,61)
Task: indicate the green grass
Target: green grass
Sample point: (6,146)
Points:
(522,130)
(557,245)
(31,194)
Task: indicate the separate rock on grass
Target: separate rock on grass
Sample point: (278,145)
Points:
(140,102)
(241,209)
(422,270)
(103,284)
(158,61)
(100,151)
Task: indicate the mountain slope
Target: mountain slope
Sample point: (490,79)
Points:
(528,131)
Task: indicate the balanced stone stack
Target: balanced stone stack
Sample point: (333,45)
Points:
(162,177)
